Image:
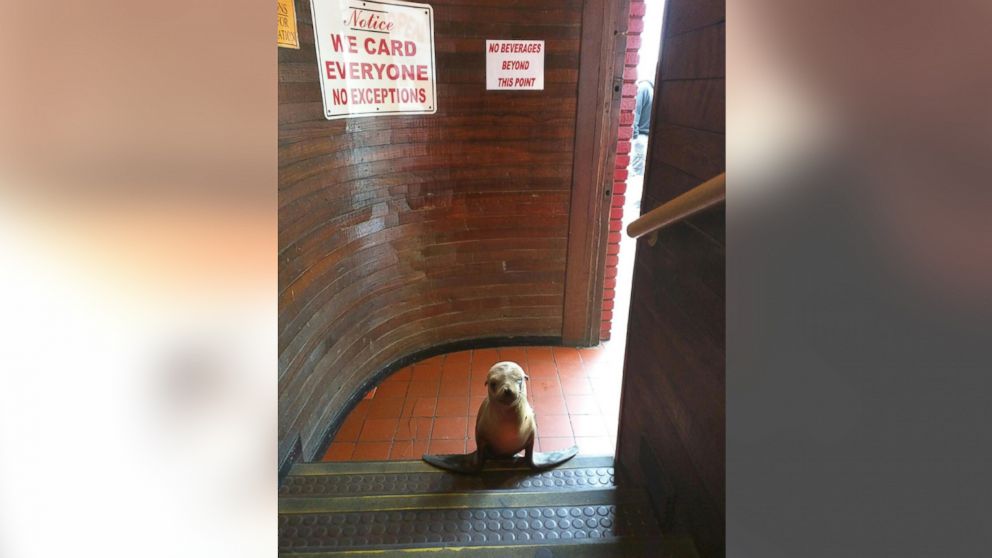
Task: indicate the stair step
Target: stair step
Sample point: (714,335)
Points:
(449,500)
(398,508)
(409,477)
(462,519)
(601,548)
(418,466)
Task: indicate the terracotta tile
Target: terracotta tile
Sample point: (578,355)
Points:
(581,405)
(361,410)
(394,379)
(483,359)
(552,426)
(350,429)
(542,370)
(414,428)
(452,407)
(480,371)
(537,444)
(588,425)
(436,361)
(461,360)
(595,445)
(593,354)
(339,451)
(473,405)
(539,354)
(543,387)
(470,445)
(567,357)
(378,430)
(427,388)
(476,381)
(604,369)
(609,403)
(371,451)
(456,388)
(553,443)
(609,408)
(478,389)
(408,449)
(455,370)
(550,405)
(381,407)
(403,374)
(424,407)
(449,428)
(444,447)
(392,389)
(606,386)
(408,406)
(422,374)
(568,371)
(455,375)
(514,354)
(576,386)
(611,426)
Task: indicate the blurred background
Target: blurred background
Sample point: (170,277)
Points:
(138,278)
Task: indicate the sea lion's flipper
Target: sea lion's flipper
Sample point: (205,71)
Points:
(545,460)
(458,463)
(470,462)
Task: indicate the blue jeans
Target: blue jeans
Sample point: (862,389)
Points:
(639,148)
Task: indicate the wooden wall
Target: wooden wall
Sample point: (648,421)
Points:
(401,233)
(672,431)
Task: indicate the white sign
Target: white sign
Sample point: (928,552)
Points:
(375,57)
(514,64)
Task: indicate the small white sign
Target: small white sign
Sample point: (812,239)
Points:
(514,64)
(375,57)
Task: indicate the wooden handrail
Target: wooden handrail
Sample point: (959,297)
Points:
(709,193)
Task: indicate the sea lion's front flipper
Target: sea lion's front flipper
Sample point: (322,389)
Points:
(458,463)
(550,459)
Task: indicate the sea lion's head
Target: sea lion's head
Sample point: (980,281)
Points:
(506,383)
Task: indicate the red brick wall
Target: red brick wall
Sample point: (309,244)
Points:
(634,27)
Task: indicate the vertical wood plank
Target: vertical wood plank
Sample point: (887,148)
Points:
(597,119)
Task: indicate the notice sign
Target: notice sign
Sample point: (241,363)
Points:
(375,57)
(286,35)
(514,64)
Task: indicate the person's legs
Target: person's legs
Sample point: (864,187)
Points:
(639,148)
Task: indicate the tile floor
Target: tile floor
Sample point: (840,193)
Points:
(430,407)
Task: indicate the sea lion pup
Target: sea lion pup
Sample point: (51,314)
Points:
(505,424)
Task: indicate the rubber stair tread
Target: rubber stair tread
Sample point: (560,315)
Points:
(602,548)
(560,479)
(470,519)
(419,466)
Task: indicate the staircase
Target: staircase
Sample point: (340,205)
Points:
(408,508)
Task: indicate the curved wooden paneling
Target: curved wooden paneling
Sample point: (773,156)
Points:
(397,234)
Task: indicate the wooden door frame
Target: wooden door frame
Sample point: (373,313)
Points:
(601,65)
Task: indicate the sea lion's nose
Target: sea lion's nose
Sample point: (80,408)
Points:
(506,391)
